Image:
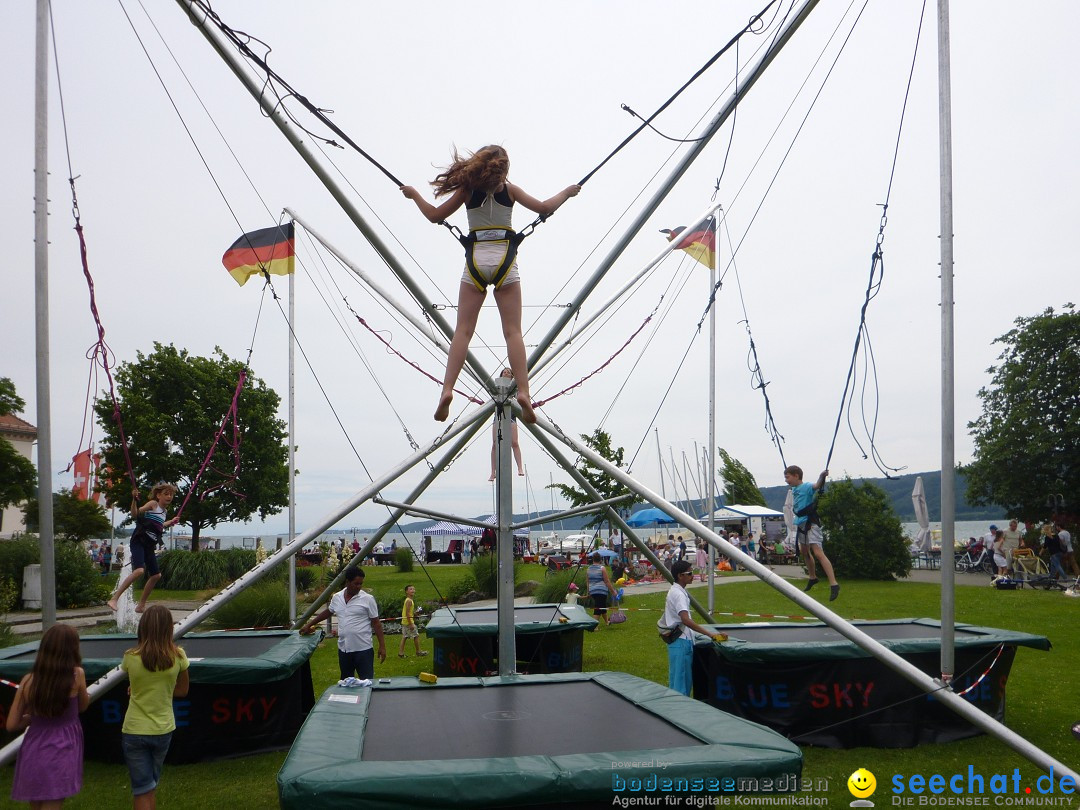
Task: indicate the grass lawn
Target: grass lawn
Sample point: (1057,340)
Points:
(1043,688)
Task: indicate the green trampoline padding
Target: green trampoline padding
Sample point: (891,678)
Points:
(483,621)
(762,643)
(255,656)
(519,741)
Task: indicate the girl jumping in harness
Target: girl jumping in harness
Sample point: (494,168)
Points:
(478,182)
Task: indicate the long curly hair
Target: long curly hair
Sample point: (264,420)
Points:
(53,675)
(483,170)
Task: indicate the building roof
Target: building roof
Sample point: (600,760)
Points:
(14,427)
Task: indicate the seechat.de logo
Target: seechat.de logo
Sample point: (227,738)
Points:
(862,785)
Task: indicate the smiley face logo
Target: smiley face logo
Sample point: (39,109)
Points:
(862,783)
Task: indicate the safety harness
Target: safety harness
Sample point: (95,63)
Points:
(505,237)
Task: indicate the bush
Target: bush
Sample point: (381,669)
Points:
(456,592)
(15,555)
(391,603)
(78,582)
(403,559)
(198,571)
(485,573)
(864,539)
(553,589)
(264,604)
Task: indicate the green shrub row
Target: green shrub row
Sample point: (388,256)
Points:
(187,571)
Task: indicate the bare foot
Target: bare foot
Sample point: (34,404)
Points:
(492,477)
(443,411)
(139,608)
(113,605)
(528,416)
(521,472)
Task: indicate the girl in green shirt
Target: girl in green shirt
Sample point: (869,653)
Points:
(157,671)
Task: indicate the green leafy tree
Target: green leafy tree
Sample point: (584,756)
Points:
(742,487)
(73,518)
(18,478)
(1027,438)
(172,404)
(600,443)
(864,539)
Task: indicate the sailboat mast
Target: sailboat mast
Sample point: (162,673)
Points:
(41,315)
(948,417)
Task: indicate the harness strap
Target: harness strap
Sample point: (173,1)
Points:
(489,236)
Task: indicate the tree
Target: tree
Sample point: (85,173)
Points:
(740,481)
(172,405)
(73,518)
(600,443)
(863,533)
(1027,440)
(18,478)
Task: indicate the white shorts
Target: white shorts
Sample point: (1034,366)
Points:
(812,536)
(488,256)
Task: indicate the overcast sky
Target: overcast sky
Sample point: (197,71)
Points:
(408,81)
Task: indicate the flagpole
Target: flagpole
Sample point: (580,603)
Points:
(712,408)
(292,443)
(41,311)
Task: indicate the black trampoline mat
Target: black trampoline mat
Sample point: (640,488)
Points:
(819,633)
(543,719)
(524,615)
(99,647)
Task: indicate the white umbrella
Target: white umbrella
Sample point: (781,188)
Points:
(922,516)
(789,515)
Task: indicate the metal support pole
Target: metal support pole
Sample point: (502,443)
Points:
(41,316)
(948,417)
(505,519)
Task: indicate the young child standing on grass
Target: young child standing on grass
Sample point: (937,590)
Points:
(150,523)
(478,181)
(408,623)
(158,672)
(48,703)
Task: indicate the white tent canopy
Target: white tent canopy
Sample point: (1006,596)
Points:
(445,527)
(737,512)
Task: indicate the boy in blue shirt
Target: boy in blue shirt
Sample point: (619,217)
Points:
(808,528)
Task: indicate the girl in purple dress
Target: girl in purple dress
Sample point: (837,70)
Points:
(49,700)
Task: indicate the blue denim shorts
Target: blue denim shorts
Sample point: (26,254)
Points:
(144,755)
(143,556)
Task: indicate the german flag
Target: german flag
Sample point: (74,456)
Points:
(272,250)
(699,243)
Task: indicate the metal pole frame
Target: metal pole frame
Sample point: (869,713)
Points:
(910,672)
(271,107)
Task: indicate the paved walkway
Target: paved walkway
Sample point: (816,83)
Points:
(28,622)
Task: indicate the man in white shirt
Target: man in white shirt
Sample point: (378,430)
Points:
(675,626)
(358,616)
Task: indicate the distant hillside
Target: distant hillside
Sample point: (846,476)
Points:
(899,490)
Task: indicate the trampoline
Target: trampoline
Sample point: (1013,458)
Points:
(816,687)
(557,740)
(250,692)
(548,639)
